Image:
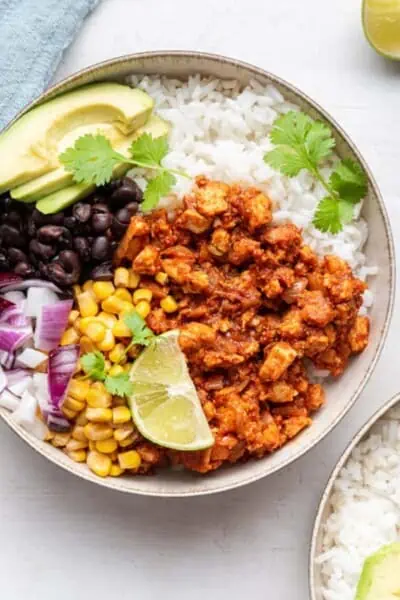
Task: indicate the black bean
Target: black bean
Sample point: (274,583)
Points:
(101,221)
(55,234)
(4,262)
(14,218)
(82,246)
(82,211)
(31,228)
(38,218)
(70,222)
(56,219)
(101,248)
(100,208)
(11,236)
(123,216)
(24,269)
(132,207)
(16,255)
(103,272)
(43,251)
(65,270)
(118,228)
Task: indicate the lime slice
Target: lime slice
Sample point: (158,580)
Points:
(381,21)
(164,403)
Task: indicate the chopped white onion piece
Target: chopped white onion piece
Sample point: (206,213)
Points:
(25,414)
(31,358)
(37,298)
(17,298)
(20,387)
(9,401)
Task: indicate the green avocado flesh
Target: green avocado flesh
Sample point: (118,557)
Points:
(380,577)
(30,148)
(63,198)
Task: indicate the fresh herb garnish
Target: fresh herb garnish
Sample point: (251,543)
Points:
(92,159)
(302,143)
(94,365)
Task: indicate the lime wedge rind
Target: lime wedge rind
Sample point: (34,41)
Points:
(165,405)
(381,23)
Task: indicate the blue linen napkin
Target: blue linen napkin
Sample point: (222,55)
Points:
(33,36)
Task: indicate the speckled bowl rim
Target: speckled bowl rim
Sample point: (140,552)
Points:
(107,66)
(326,495)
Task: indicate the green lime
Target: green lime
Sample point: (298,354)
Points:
(381,21)
(164,403)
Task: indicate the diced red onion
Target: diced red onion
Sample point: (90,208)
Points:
(38,297)
(28,283)
(54,418)
(50,324)
(7,359)
(8,279)
(25,415)
(17,298)
(15,329)
(62,365)
(9,400)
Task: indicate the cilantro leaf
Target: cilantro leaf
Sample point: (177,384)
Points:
(148,150)
(91,160)
(301,143)
(119,385)
(157,188)
(93,365)
(331,214)
(141,334)
(349,181)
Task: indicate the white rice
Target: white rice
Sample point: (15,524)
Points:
(222,132)
(365,509)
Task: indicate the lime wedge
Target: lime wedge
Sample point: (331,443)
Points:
(164,403)
(381,21)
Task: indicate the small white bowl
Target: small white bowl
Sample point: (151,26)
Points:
(342,393)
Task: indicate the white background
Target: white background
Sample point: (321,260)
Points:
(67,539)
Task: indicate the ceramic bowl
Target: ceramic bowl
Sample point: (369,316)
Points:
(325,505)
(379,250)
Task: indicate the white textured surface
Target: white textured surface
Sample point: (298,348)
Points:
(64,538)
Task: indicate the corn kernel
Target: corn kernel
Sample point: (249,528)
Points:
(92,445)
(143,309)
(61,439)
(124,431)
(88,286)
(99,463)
(98,431)
(98,397)
(134,280)
(107,365)
(103,289)
(96,331)
(108,342)
(161,278)
(76,445)
(114,455)
(86,345)
(49,435)
(79,434)
(72,317)
(70,336)
(78,389)
(128,441)
(121,414)
(81,420)
(121,329)
(142,294)
(87,304)
(73,404)
(121,277)
(113,304)
(68,413)
(99,415)
(124,295)
(107,446)
(116,370)
(129,460)
(85,322)
(77,455)
(168,304)
(107,319)
(115,471)
(77,290)
(117,354)
(77,324)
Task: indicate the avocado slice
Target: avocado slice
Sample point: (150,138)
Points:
(380,577)
(61,199)
(31,146)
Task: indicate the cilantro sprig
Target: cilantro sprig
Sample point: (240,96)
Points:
(302,143)
(94,364)
(92,160)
